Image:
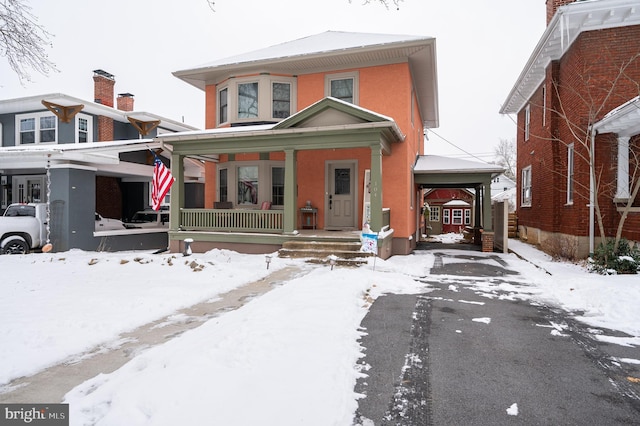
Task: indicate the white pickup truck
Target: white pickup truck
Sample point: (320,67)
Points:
(23,227)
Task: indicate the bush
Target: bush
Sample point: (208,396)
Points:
(624,260)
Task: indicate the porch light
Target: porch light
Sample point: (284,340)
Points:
(267,259)
(187,247)
(332,260)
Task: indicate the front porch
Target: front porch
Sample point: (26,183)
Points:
(258,232)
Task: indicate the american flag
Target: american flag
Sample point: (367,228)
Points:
(162,181)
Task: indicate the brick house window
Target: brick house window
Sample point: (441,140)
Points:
(446,219)
(224,186)
(467,217)
(570,171)
(525,199)
(544,106)
(277,186)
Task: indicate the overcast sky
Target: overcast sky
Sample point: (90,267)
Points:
(482,46)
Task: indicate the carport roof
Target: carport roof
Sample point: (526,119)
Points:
(436,171)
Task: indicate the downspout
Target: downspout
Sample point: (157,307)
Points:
(592,193)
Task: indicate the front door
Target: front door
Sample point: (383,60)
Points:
(341,195)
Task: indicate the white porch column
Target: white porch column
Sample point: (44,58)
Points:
(290,191)
(622,190)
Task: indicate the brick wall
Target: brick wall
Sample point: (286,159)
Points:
(579,90)
(553,5)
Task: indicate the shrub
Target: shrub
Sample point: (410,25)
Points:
(624,260)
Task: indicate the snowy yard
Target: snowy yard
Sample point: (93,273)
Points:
(288,357)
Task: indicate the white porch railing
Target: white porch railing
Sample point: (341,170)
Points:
(269,221)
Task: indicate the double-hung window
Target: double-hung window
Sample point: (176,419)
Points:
(446,219)
(525,199)
(84,128)
(570,171)
(223,106)
(457,217)
(342,86)
(277,186)
(36,128)
(281,100)
(467,216)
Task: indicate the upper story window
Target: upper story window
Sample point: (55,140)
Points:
(84,128)
(263,98)
(281,100)
(36,128)
(223,106)
(248,100)
(342,86)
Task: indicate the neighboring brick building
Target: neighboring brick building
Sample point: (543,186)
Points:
(567,100)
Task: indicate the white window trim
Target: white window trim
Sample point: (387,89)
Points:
(355,75)
(446,216)
(570,173)
(622,186)
(457,214)
(526,202)
(434,214)
(36,116)
(467,216)
(544,106)
(89,127)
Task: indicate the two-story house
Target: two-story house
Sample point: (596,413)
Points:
(83,157)
(320,133)
(577,144)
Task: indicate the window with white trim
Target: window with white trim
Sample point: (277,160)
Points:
(84,128)
(342,86)
(457,217)
(445,216)
(467,216)
(527,121)
(525,199)
(434,214)
(35,128)
(570,172)
(544,106)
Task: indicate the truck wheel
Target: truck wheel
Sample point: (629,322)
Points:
(15,245)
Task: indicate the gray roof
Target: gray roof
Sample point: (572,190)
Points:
(331,51)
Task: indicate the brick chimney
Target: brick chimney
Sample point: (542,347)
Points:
(124,102)
(553,5)
(103,94)
(103,87)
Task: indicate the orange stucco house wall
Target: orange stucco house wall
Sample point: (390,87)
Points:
(386,90)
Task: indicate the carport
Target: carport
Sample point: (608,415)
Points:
(434,171)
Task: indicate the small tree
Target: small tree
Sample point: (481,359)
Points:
(23,41)
(505,155)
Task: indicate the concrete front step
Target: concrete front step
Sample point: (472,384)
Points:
(346,252)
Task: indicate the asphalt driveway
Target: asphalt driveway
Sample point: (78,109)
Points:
(455,357)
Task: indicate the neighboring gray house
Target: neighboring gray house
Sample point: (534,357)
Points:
(85,157)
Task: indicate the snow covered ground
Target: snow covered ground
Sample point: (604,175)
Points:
(288,357)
